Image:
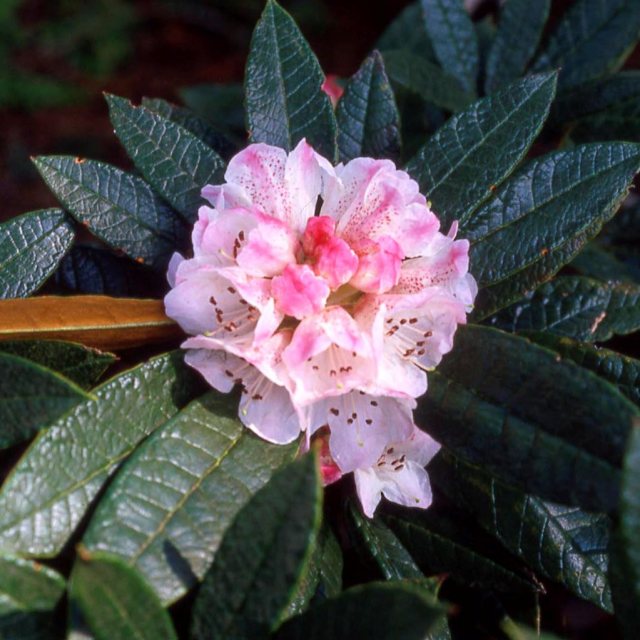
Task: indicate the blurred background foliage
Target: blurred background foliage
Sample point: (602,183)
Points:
(58,56)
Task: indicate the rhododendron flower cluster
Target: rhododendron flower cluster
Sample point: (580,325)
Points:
(327,292)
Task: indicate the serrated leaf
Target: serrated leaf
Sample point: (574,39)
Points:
(51,487)
(263,556)
(576,307)
(620,370)
(118,207)
(625,549)
(426,79)
(408,32)
(462,164)
(192,122)
(91,270)
(454,40)
(495,297)
(77,363)
(543,424)
(596,96)
(156,514)
(94,321)
(565,544)
(591,39)
(283,95)
(28,594)
(441,544)
(174,161)
(116,602)
(393,560)
(31,246)
(519,31)
(367,116)
(31,396)
(385,611)
(562,196)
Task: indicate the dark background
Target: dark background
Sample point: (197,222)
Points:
(143,47)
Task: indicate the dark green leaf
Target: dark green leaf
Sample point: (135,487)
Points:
(393,560)
(323,578)
(426,79)
(562,196)
(67,464)
(576,307)
(28,594)
(80,364)
(596,96)
(440,543)
(395,563)
(565,544)
(409,33)
(517,38)
(31,397)
(384,611)
(119,208)
(219,104)
(625,551)
(538,422)
(620,370)
(176,163)
(31,246)
(495,297)
(330,562)
(454,40)
(592,39)
(263,556)
(596,261)
(116,602)
(367,116)
(284,99)
(461,165)
(486,33)
(200,127)
(620,121)
(92,270)
(157,515)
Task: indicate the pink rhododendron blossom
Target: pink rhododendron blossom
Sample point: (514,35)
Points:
(328,293)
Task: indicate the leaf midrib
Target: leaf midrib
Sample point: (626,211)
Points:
(474,148)
(186,496)
(156,231)
(12,258)
(560,242)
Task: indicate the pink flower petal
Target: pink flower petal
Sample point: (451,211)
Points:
(372,199)
(328,355)
(218,368)
(332,258)
(332,88)
(271,246)
(266,409)
(399,474)
(361,426)
(298,292)
(379,267)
